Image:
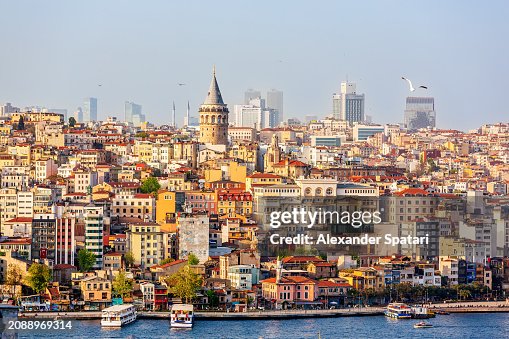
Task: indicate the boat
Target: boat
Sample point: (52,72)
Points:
(118,315)
(419,312)
(398,311)
(423,324)
(182,315)
(442,312)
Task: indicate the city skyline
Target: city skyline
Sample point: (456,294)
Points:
(412,40)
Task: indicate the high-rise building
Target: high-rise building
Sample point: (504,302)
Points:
(214,116)
(43,236)
(8,108)
(420,113)
(348,105)
(275,102)
(94,225)
(78,115)
(130,110)
(255,115)
(90,109)
(363,132)
(251,94)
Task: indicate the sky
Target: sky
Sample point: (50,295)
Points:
(56,53)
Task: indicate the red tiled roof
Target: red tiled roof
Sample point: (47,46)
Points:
(327,283)
(113,254)
(301,259)
(413,191)
(264,175)
(16,241)
(20,219)
(142,196)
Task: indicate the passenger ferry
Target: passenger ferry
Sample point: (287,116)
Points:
(118,315)
(398,311)
(182,315)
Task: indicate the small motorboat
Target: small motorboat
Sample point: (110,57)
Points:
(423,324)
(442,312)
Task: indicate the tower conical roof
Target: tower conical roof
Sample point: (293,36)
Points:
(214,95)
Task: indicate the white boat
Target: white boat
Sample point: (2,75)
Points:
(182,315)
(118,315)
(398,311)
(423,324)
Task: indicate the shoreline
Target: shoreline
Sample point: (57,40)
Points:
(460,307)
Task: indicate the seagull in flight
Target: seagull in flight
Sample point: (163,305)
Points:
(180,84)
(411,86)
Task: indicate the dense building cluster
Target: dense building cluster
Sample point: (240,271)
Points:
(148,203)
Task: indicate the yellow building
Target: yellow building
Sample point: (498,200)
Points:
(145,241)
(143,149)
(212,175)
(166,207)
(22,153)
(35,117)
(257,179)
(248,152)
(234,203)
(238,172)
(7,160)
(363,278)
(96,292)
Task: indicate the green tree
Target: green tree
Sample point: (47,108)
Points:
(213,298)
(141,135)
(86,260)
(129,259)
(21,123)
(184,283)
(122,285)
(38,278)
(166,261)
(72,122)
(150,185)
(192,259)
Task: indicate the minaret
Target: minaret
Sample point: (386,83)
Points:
(173,116)
(214,116)
(187,115)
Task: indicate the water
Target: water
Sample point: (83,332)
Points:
(487,325)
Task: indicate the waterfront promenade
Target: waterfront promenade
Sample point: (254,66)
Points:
(454,307)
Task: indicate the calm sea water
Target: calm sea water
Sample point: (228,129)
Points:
(449,326)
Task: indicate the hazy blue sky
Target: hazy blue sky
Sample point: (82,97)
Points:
(55,53)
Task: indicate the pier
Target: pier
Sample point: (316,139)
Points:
(456,307)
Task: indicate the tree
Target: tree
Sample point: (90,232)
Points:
(184,283)
(150,185)
(14,277)
(213,298)
(464,294)
(38,278)
(86,260)
(129,259)
(141,135)
(166,261)
(122,285)
(72,122)
(192,259)
(21,123)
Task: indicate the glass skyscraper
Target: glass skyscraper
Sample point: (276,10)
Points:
(90,109)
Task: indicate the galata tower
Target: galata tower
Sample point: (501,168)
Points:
(214,116)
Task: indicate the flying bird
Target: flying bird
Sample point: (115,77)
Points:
(411,86)
(180,84)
